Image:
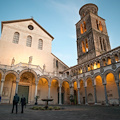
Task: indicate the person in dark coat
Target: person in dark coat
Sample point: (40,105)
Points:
(15,102)
(23,103)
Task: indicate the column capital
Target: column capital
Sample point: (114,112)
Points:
(104,84)
(60,85)
(36,82)
(49,85)
(117,83)
(17,81)
(71,86)
(2,80)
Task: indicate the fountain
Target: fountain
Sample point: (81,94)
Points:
(47,100)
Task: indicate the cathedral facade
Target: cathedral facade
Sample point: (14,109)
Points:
(28,67)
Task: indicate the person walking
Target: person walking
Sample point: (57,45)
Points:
(15,102)
(23,103)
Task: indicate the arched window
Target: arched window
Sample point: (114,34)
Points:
(84,26)
(86,45)
(80,70)
(104,62)
(83,47)
(116,58)
(100,26)
(40,44)
(98,64)
(81,28)
(89,68)
(97,24)
(101,44)
(95,66)
(104,44)
(108,60)
(16,38)
(29,41)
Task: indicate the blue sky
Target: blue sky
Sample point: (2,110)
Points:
(59,17)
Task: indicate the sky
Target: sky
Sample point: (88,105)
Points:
(59,17)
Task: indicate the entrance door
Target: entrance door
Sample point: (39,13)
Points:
(23,90)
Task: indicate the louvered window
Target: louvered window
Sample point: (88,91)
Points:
(16,38)
(29,41)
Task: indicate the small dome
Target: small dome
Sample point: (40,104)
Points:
(84,10)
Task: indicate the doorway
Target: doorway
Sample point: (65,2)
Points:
(23,90)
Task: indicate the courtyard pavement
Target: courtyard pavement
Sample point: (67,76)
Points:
(74,112)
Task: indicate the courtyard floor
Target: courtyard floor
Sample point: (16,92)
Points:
(74,112)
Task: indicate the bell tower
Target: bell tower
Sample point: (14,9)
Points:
(92,37)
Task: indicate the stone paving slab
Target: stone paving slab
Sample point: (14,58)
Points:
(69,113)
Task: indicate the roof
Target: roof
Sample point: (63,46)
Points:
(21,20)
(59,60)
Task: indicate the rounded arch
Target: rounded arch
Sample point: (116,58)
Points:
(65,80)
(81,78)
(117,72)
(28,70)
(44,76)
(55,78)
(11,72)
(95,75)
(106,73)
(115,52)
(88,76)
(2,73)
(74,80)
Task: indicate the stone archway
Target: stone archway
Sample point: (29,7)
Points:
(9,87)
(75,92)
(112,92)
(54,91)
(65,92)
(100,94)
(90,90)
(26,86)
(43,88)
(82,92)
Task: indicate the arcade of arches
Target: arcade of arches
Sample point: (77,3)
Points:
(100,89)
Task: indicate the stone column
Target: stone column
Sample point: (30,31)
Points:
(86,96)
(118,92)
(71,90)
(79,96)
(60,95)
(48,91)
(36,89)
(1,89)
(106,99)
(17,82)
(95,94)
